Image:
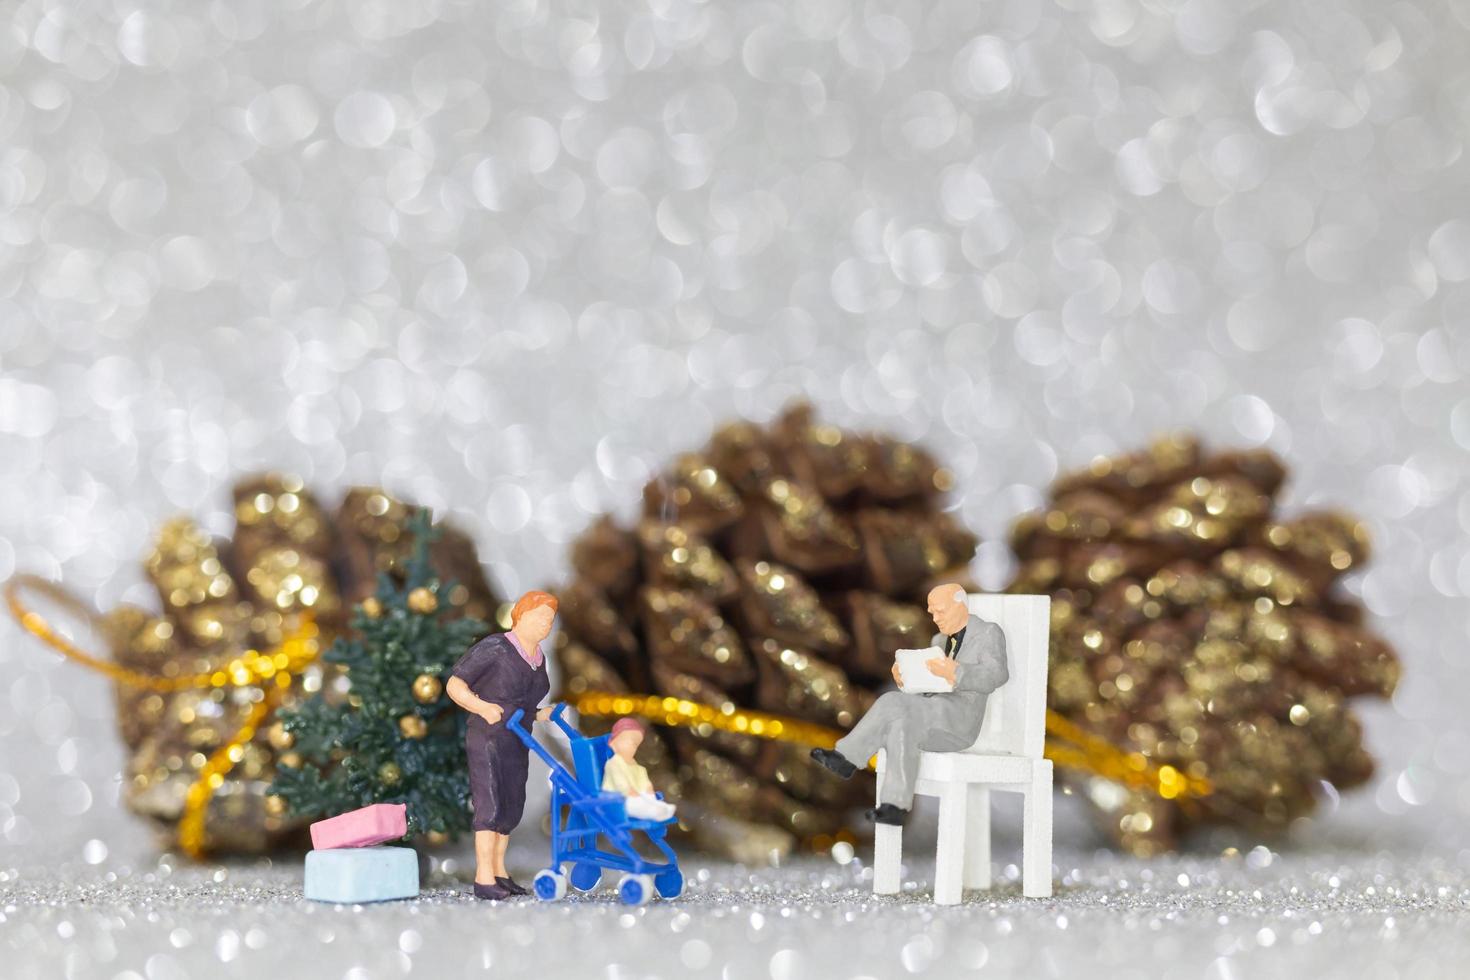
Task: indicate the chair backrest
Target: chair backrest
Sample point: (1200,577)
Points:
(1015,713)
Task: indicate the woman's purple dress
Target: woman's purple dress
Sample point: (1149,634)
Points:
(499,761)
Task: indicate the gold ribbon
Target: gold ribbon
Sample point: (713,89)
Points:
(273,670)
(1070,746)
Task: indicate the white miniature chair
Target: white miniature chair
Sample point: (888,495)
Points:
(1007,756)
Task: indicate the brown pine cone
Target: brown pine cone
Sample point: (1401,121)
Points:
(1192,624)
(287,557)
(747,584)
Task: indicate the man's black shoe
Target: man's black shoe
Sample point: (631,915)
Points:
(835,761)
(889,814)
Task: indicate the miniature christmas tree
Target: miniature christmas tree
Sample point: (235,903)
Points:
(386,733)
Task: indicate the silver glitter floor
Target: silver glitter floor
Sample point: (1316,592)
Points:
(506,259)
(1261,914)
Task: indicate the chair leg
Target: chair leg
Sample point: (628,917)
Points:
(977,839)
(887,850)
(949,858)
(1036,833)
(887,853)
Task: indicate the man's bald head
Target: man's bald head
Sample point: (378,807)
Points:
(947,607)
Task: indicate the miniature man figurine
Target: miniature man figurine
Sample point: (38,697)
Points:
(500,673)
(624,775)
(904,724)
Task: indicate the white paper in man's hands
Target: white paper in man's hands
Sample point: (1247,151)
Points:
(916,676)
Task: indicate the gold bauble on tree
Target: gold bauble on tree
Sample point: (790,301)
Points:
(1194,624)
(423,601)
(278,737)
(778,568)
(371,607)
(390,773)
(412,726)
(275,806)
(427,688)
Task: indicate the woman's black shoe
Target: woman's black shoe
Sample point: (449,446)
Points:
(509,884)
(495,893)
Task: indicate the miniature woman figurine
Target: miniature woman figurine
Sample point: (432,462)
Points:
(622,774)
(500,673)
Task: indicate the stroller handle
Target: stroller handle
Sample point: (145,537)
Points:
(514,724)
(556,716)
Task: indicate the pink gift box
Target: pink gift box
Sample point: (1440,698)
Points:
(371,825)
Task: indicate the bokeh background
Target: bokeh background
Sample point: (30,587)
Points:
(505,259)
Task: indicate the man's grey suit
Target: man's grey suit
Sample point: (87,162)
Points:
(907,724)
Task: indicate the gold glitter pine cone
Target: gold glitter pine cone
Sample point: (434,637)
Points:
(778,568)
(1194,624)
(287,557)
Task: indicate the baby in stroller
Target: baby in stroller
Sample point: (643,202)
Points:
(623,775)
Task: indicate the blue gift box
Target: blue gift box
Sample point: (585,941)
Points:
(362,874)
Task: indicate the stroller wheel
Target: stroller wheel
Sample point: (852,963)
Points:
(549,885)
(635,889)
(670,883)
(585,877)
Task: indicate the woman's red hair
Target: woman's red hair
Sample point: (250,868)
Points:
(529,601)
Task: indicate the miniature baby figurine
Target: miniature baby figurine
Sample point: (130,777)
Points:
(500,673)
(906,724)
(624,775)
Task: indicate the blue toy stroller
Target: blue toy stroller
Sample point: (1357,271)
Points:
(581,813)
